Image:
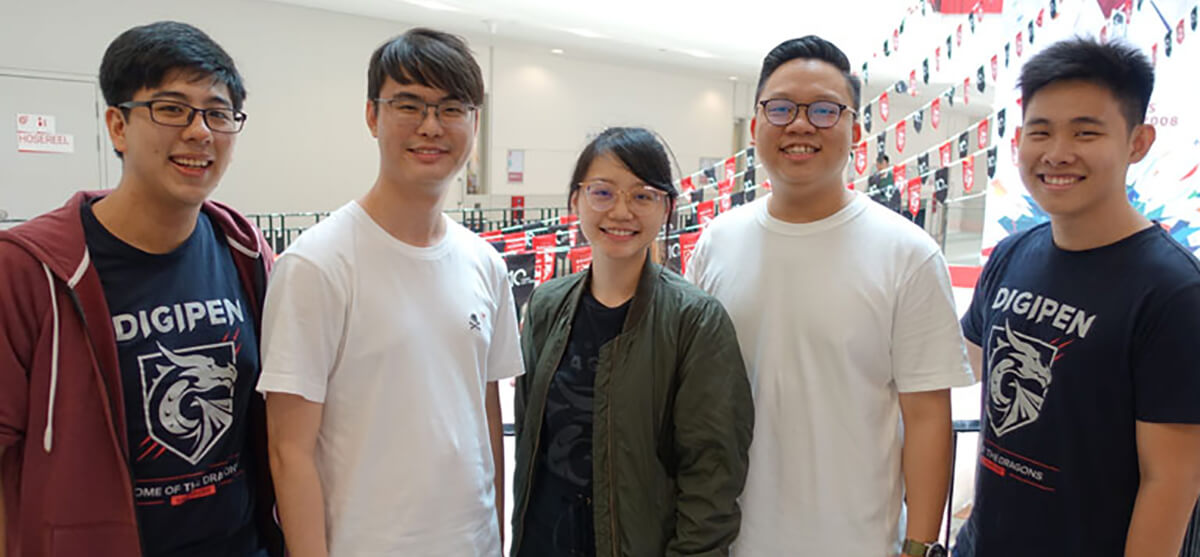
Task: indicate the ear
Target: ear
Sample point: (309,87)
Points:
(857,132)
(573,203)
(1140,143)
(373,118)
(114,120)
(753,126)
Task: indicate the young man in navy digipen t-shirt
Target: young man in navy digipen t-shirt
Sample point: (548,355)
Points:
(1086,332)
(129,332)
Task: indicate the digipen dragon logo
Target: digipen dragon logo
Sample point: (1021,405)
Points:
(188,397)
(1019,379)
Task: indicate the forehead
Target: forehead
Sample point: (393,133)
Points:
(803,79)
(196,88)
(1068,100)
(392,88)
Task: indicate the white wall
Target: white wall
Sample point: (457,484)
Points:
(306,146)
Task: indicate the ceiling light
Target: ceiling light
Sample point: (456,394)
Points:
(556,51)
(733,78)
(434,5)
(587,33)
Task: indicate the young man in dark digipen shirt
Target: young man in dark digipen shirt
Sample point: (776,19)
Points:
(1085,331)
(129,425)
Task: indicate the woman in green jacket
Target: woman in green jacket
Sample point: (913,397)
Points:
(634,415)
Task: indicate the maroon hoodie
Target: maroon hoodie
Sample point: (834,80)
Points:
(65,470)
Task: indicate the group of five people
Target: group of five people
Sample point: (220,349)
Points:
(789,397)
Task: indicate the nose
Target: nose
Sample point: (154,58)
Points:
(621,208)
(1059,151)
(801,124)
(197,129)
(430,124)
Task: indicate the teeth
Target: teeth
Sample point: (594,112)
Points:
(193,163)
(427,151)
(1060,180)
(620,232)
(800,149)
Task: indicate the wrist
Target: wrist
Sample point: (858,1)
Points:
(917,548)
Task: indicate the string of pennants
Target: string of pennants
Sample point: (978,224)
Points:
(538,251)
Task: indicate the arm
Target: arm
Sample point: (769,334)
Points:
(496,433)
(292,426)
(925,460)
(975,356)
(1169,460)
(3,520)
(713,424)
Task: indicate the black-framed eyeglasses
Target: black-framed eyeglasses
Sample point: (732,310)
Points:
(821,114)
(412,110)
(642,200)
(179,115)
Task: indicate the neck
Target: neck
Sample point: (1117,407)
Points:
(808,206)
(411,218)
(1099,228)
(144,222)
(614,282)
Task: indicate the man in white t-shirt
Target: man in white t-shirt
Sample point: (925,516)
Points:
(844,313)
(385,330)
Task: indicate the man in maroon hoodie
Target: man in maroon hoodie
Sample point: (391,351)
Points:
(129,326)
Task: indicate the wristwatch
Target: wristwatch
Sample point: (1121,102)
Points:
(922,549)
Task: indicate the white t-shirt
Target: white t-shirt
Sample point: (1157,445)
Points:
(834,319)
(398,342)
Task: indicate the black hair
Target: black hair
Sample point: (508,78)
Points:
(427,57)
(142,57)
(810,47)
(884,159)
(1122,69)
(639,149)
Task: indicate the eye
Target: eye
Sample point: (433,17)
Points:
(170,109)
(220,115)
(645,197)
(407,107)
(454,110)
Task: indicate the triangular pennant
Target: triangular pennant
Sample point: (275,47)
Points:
(867,118)
(865,75)
(1053,9)
(737,198)
(971,21)
(895,40)
(912,83)
(950,96)
(925,71)
(1006,49)
(984,137)
(1167,44)
(914,196)
(1020,43)
(923,164)
(1041,13)
(881,145)
(980,82)
(883,106)
(901,86)
(991,162)
(958,35)
(1179,32)
(901,135)
(941,184)
(949,52)
(966,90)
(1030,32)
(887,47)
(919,119)
(935,112)
(1195,16)
(937,59)
(964,143)
(1001,118)
(995,67)
(944,153)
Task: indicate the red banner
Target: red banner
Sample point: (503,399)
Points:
(985,138)
(705,212)
(898,173)
(860,158)
(686,184)
(968,169)
(883,106)
(912,83)
(935,112)
(580,258)
(543,246)
(901,135)
(966,90)
(995,67)
(514,242)
(687,245)
(944,153)
(725,187)
(730,167)
(914,196)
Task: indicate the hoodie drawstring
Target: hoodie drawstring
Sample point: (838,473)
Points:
(48,438)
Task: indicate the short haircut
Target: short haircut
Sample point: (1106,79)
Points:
(810,47)
(1122,69)
(430,58)
(142,57)
(884,159)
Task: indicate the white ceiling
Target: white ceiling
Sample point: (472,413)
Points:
(720,38)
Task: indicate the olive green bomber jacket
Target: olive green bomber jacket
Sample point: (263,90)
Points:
(672,417)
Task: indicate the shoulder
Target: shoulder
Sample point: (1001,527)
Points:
(690,301)
(467,242)
(736,220)
(1165,260)
(327,248)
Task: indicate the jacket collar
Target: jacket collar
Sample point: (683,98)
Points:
(643,297)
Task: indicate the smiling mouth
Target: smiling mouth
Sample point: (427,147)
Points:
(1060,181)
(619,232)
(800,150)
(188,162)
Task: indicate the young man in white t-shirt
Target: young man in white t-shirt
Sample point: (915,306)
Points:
(386,328)
(845,317)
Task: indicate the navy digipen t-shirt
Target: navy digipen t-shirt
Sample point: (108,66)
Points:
(189,361)
(1077,347)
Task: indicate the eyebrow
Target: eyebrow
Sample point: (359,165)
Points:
(175,95)
(1077,120)
(403,96)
